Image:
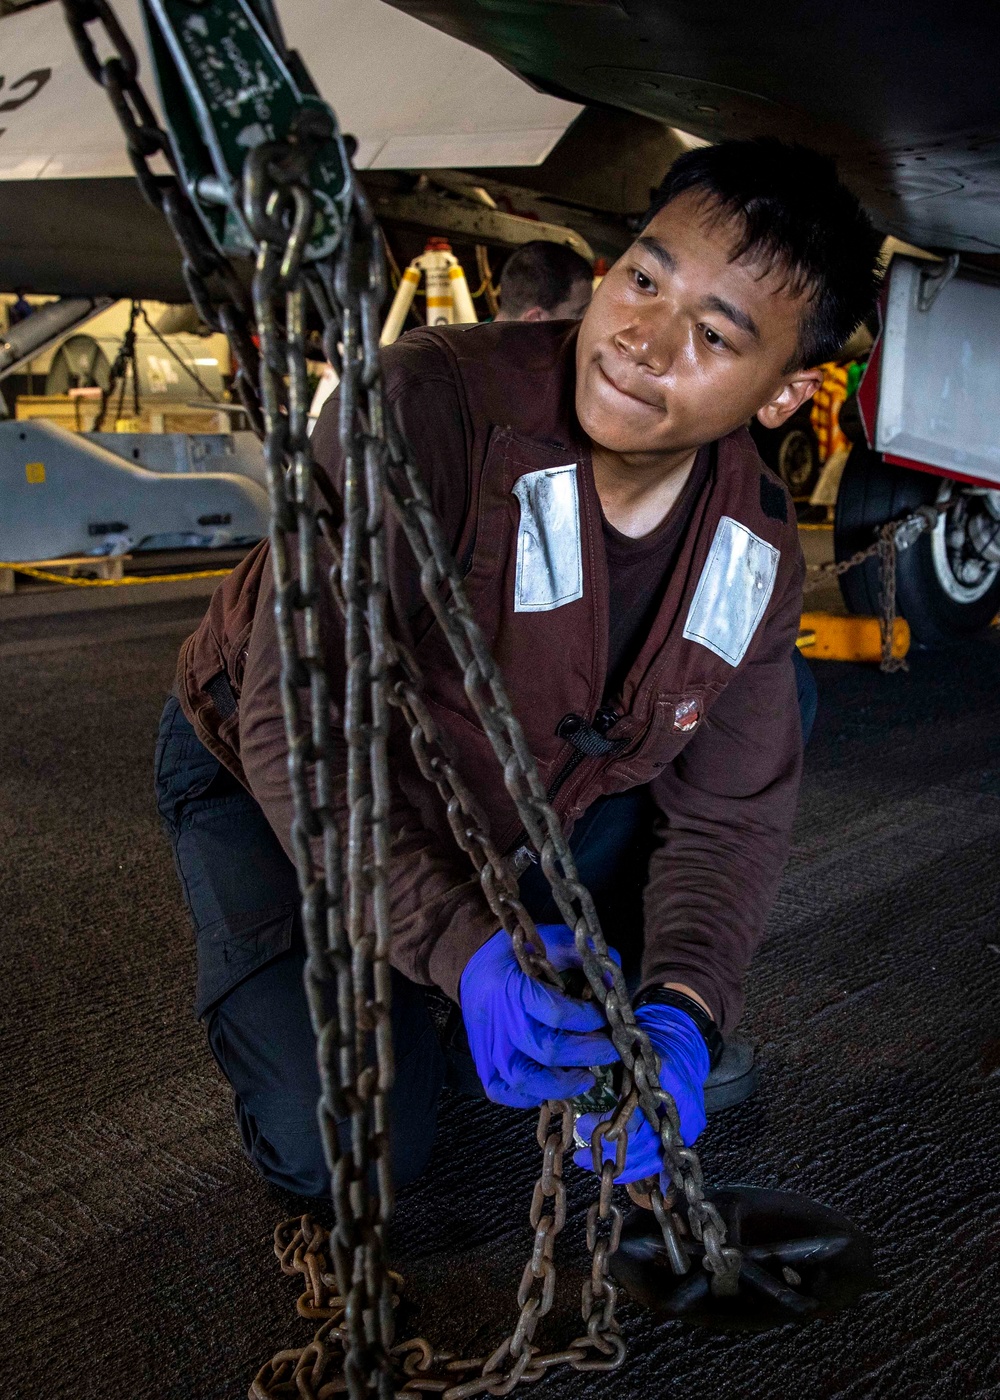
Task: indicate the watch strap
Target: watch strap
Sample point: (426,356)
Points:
(710,1033)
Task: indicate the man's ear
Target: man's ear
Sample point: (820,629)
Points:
(790,397)
(534,313)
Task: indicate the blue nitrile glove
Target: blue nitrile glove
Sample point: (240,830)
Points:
(530,1042)
(683,1071)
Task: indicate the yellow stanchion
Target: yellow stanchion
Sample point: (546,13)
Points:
(448,301)
(830,637)
(461,297)
(401,304)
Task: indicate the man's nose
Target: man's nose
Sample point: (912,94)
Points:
(652,349)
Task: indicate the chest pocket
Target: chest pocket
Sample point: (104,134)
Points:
(549,568)
(733,592)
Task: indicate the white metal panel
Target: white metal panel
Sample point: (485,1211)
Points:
(67,127)
(939,390)
(413,97)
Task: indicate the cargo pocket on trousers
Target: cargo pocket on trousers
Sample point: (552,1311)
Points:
(233,948)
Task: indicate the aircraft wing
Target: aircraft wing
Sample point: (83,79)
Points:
(411,95)
(72,219)
(903,94)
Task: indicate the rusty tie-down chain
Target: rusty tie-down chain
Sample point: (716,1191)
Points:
(347,966)
(893,536)
(376,467)
(347,942)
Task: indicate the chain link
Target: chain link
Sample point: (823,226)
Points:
(892,537)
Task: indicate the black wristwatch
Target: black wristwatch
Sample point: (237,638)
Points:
(710,1033)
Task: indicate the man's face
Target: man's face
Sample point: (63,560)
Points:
(681,345)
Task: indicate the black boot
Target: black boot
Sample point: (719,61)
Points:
(734,1077)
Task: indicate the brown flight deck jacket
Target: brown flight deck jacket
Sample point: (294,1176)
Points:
(709,717)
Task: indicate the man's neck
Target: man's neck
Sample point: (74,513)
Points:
(637,493)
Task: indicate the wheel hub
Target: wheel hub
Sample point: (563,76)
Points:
(965,544)
(796,461)
(984,527)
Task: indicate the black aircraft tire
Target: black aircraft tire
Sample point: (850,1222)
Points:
(792,452)
(873,491)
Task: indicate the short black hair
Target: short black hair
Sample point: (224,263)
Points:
(542,274)
(796,217)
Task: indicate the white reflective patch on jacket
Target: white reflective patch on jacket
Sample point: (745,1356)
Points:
(734,589)
(549,558)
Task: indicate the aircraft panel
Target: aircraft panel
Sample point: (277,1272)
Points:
(411,95)
(902,94)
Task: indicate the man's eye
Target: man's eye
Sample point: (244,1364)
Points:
(713,337)
(643,282)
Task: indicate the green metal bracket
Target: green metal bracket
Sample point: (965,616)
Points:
(226,87)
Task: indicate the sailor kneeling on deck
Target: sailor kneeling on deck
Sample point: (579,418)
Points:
(636,570)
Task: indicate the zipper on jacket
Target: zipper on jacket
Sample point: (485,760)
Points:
(570,727)
(588,740)
(566,771)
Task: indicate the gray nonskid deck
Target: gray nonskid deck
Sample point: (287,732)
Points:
(137,1257)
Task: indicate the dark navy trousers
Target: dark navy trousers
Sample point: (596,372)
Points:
(242,894)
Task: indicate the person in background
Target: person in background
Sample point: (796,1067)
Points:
(544,281)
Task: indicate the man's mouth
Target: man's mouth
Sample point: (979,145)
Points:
(626,392)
